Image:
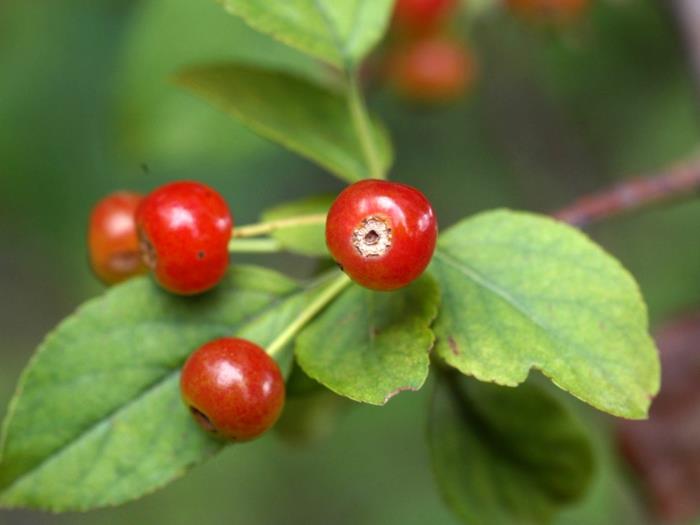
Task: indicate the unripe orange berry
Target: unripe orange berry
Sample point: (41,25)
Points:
(431,70)
(113,243)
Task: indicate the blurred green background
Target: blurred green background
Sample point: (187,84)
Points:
(86,107)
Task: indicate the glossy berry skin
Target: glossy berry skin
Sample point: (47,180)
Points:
(422,16)
(185,228)
(381,233)
(431,70)
(113,244)
(233,388)
(549,10)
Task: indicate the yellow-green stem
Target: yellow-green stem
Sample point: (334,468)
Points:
(363,130)
(322,299)
(265,245)
(265,228)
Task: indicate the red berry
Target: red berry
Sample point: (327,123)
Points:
(233,388)
(431,70)
(549,10)
(185,228)
(422,15)
(113,244)
(381,233)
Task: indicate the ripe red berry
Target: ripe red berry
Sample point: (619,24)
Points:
(233,388)
(113,244)
(431,70)
(549,10)
(185,228)
(422,16)
(381,233)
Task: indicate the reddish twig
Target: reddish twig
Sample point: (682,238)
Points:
(679,181)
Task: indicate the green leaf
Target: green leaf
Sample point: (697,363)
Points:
(304,117)
(307,239)
(98,418)
(340,33)
(521,291)
(369,346)
(503,455)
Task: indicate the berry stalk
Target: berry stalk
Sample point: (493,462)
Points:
(361,124)
(321,301)
(266,245)
(265,228)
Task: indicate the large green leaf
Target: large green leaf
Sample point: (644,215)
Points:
(339,32)
(165,126)
(307,239)
(300,115)
(369,346)
(503,456)
(522,291)
(98,418)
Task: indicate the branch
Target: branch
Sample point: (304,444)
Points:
(678,181)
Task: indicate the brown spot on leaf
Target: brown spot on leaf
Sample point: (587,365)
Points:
(453,345)
(398,391)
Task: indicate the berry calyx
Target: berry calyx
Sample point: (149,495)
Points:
(422,16)
(549,10)
(431,70)
(233,388)
(113,244)
(184,228)
(381,233)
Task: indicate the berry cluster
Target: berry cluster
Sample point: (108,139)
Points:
(424,62)
(382,234)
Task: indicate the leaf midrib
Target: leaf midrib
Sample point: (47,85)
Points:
(334,33)
(95,426)
(475,276)
(82,435)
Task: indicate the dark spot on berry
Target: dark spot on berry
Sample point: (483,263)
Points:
(203,420)
(200,254)
(372,237)
(148,252)
(340,266)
